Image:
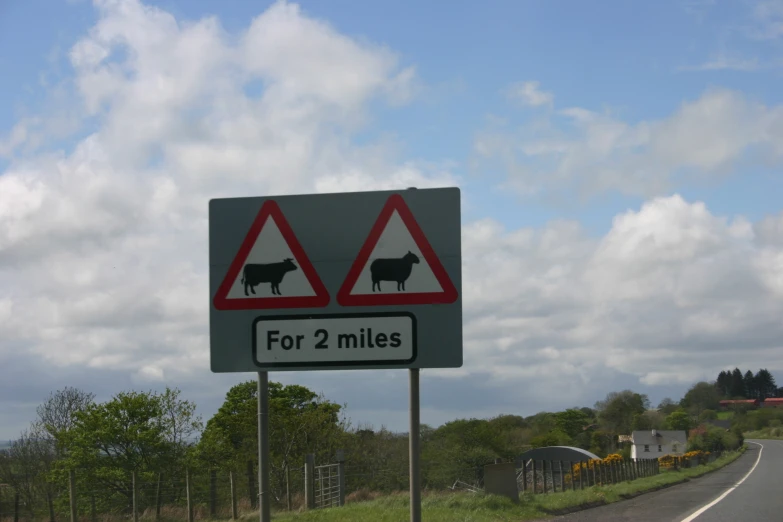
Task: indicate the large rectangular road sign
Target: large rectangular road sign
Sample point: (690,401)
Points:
(356,280)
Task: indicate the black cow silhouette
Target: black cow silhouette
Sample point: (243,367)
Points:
(392,269)
(254,274)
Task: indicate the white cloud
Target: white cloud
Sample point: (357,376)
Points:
(591,152)
(768,18)
(529,93)
(724,62)
(103,259)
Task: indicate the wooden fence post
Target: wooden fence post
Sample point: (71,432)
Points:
(157,497)
(72,493)
(524,476)
(233,495)
(309,481)
(341,477)
(543,474)
(562,477)
(251,485)
(187,495)
(134,494)
(571,471)
(213,493)
(16,505)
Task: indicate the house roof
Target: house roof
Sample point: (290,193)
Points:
(661,437)
(774,399)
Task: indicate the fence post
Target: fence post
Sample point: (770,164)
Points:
(16,505)
(233,495)
(341,476)
(133,497)
(72,493)
(288,487)
(535,485)
(562,477)
(251,485)
(309,481)
(581,476)
(187,495)
(543,474)
(571,471)
(524,476)
(157,496)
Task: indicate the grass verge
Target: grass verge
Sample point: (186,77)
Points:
(775,433)
(476,507)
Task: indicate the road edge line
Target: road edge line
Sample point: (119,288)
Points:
(701,510)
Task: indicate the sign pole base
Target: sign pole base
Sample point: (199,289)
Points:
(414,452)
(264,497)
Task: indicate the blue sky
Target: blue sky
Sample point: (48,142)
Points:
(612,55)
(597,113)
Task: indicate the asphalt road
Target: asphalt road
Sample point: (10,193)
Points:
(759,498)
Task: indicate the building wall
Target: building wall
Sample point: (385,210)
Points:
(637,451)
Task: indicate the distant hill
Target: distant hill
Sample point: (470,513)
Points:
(5,444)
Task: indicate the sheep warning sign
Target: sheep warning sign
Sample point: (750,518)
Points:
(336,281)
(396,264)
(271,270)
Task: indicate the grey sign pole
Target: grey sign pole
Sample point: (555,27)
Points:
(263,448)
(413,446)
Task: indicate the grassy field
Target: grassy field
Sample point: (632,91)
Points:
(766,433)
(725,415)
(477,507)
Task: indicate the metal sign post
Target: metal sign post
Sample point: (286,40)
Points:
(264,497)
(414,451)
(355,280)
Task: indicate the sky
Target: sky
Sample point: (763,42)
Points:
(619,166)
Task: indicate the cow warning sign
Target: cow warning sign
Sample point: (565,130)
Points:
(271,270)
(396,265)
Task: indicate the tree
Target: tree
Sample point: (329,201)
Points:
(751,390)
(765,384)
(571,422)
(667,406)
(678,420)
(649,420)
(618,410)
(724,383)
(110,441)
(737,384)
(300,422)
(701,396)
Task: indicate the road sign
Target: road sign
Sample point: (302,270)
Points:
(391,258)
(401,256)
(264,261)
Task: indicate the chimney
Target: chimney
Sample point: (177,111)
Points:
(654,433)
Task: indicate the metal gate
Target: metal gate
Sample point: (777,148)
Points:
(327,486)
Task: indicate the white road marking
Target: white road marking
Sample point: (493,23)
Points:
(726,493)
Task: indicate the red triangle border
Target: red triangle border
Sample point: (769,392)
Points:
(321,298)
(447,296)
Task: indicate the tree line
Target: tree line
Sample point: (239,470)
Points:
(736,385)
(156,437)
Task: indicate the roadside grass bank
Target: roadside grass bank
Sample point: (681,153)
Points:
(765,433)
(478,507)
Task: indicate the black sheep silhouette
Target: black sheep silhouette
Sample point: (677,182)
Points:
(255,274)
(393,269)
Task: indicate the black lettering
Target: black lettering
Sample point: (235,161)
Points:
(361,344)
(299,341)
(287,342)
(271,337)
(321,345)
(395,340)
(369,338)
(380,340)
(345,340)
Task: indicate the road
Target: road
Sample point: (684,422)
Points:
(715,497)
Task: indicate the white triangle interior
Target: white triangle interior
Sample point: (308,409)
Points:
(395,242)
(271,247)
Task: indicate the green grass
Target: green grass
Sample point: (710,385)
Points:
(725,415)
(775,433)
(479,507)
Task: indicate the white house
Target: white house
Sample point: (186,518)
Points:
(651,444)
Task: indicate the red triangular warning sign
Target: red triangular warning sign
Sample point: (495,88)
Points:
(271,270)
(396,265)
